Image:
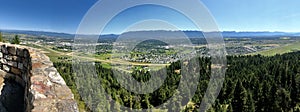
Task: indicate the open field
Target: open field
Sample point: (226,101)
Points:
(52,54)
(56,56)
(280,50)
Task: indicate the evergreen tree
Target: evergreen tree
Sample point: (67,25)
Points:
(250,104)
(252,83)
(137,103)
(295,96)
(274,107)
(16,40)
(229,108)
(285,100)
(240,98)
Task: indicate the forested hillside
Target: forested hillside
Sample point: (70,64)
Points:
(252,83)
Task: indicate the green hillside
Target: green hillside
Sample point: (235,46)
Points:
(280,50)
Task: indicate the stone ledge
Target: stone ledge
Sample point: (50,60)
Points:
(45,89)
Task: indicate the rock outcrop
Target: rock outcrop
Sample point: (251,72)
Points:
(36,84)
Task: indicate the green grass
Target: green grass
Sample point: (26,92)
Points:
(280,50)
(106,65)
(54,56)
(102,56)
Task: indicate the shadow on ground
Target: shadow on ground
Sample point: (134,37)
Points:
(11,96)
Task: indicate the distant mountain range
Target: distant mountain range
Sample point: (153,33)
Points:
(39,33)
(191,34)
(227,34)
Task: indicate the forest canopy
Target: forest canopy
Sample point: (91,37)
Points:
(252,83)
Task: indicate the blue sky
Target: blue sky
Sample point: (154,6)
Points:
(230,15)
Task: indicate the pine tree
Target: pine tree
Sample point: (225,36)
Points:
(137,103)
(294,91)
(263,102)
(229,108)
(285,100)
(240,98)
(146,101)
(16,40)
(250,104)
(273,97)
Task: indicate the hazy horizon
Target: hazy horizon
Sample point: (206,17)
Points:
(235,15)
(1,30)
